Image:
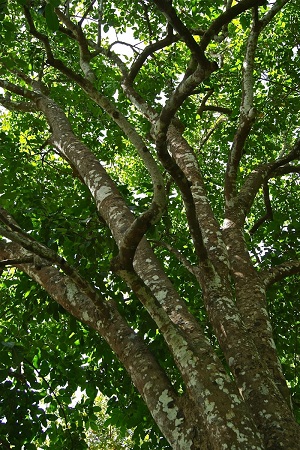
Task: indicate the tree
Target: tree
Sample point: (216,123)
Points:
(149,221)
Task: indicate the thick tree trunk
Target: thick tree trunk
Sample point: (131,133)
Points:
(236,401)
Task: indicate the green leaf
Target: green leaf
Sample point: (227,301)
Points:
(17,355)
(51,18)
(55,3)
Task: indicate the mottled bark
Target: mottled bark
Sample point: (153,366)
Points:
(243,403)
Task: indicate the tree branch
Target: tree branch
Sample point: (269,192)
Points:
(226,17)
(100,16)
(148,51)
(16,261)
(13,232)
(17,106)
(84,53)
(246,119)
(211,131)
(269,211)
(148,377)
(277,6)
(176,99)
(179,256)
(169,12)
(280,272)
(215,108)
(261,173)
(208,226)
(15,89)
(247,111)
(84,16)
(51,60)
(285,170)
(153,214)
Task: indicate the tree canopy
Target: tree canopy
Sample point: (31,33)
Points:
(149,223)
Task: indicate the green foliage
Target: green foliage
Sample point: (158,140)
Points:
(45,354)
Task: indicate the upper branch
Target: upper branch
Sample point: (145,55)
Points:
(84,52)
(183,90)
(15,89)
(269,211)
(153,214)
(247,111)
(226,17)
(149,50)
(285,170)
(169,12)
(13,232)
(17,106)
(170,164)
(263,172)
(278,5)
(280,272)
(246,119)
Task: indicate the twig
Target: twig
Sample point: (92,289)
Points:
(203,102)
(211,131)
(182,259)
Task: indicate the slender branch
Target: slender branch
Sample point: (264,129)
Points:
(84,53)
(179,256)
(67,8)
(146,16)
(148,51)
(226,17)
(280,272)
(204,107)
(261,173)
(277,6)
(247,111)
(219,109)
(8,220)
(17,106)
(51,60)
(15,234)
(122,43)
(37,85)
(246,119)
(15,89)
(203,102)
(217,123)
(169,12)
(89,8)
(183,90)
(16,261)
(285,170)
